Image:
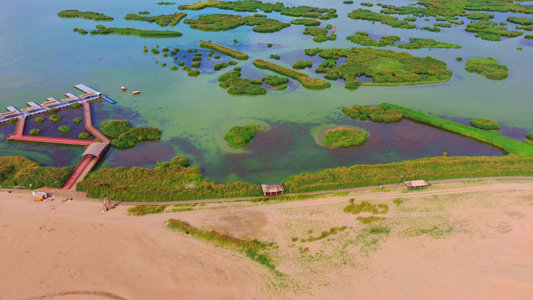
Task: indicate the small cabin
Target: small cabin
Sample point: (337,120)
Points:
(273,189)
(40,196)
(416,184)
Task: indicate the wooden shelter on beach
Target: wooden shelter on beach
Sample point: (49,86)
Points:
(416,184)
(273,189)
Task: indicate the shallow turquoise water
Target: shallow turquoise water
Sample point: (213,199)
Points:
(40,56)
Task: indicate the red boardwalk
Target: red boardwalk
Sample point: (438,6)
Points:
(77,172)
(88,161)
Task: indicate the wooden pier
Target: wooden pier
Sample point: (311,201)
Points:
(88,161)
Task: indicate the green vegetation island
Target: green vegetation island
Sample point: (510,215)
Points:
(488,67)
(385,67)
(306,81)
(239,136)
(365,14)
(487,124)
(161,20)
(236,85)
(362,38)
(123,136)
(225,22)
(320,35)
(253,6)
(89,15)
(101,29)
(342,137)
(225,50)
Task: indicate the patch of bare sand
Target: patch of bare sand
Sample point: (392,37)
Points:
(72,250)
(453,241)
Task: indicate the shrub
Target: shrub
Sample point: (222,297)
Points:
(274,56)
(53,111)
(529,135)
(163,65)
(77,120)
(459,59)
(366,207)
(232,62)
(221,65)
(55,118)
(195,64)
(83,136)
(39,120)
(142,210)
(181,63)
(35,132)
(64,129)
(369,219)
(240,136)
(174,68)
(486,124)
(75,105)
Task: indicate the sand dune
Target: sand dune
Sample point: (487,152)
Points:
(482,248)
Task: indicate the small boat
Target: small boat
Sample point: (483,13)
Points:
(136,93)
(123,88)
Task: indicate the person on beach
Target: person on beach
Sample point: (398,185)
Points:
(107,205)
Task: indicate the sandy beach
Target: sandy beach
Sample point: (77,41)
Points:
(467,240)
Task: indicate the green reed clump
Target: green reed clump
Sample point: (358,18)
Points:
(320,35)
(507,144)
(491,31)
(240,136)
(196,64)
(305,80)
(397,201)
(174,68)
(100,29)
(22,172)
(300,64)
(236,85)
(364,14)
(521,21)
(366,207)
(221,65)
(305,22)
(253,249)
(275,80)
(344,137)
(529,135)
(114,128)
(369,219)
(379,230)
(285,198)
(161,20)
(385,67)
(487,124)
(13,121)
(77,120)
(89,15)
(167,182)
(75,105)
(225,22)
(35,132)
(64,129)
(83,136)
(325,234)
(39,120)
(225,50)
(53,111)
(274,56)
(142,210)
(488,67)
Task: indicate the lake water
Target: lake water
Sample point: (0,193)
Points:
(40,56)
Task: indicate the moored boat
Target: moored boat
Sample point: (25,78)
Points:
(136,93)
(123,89)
